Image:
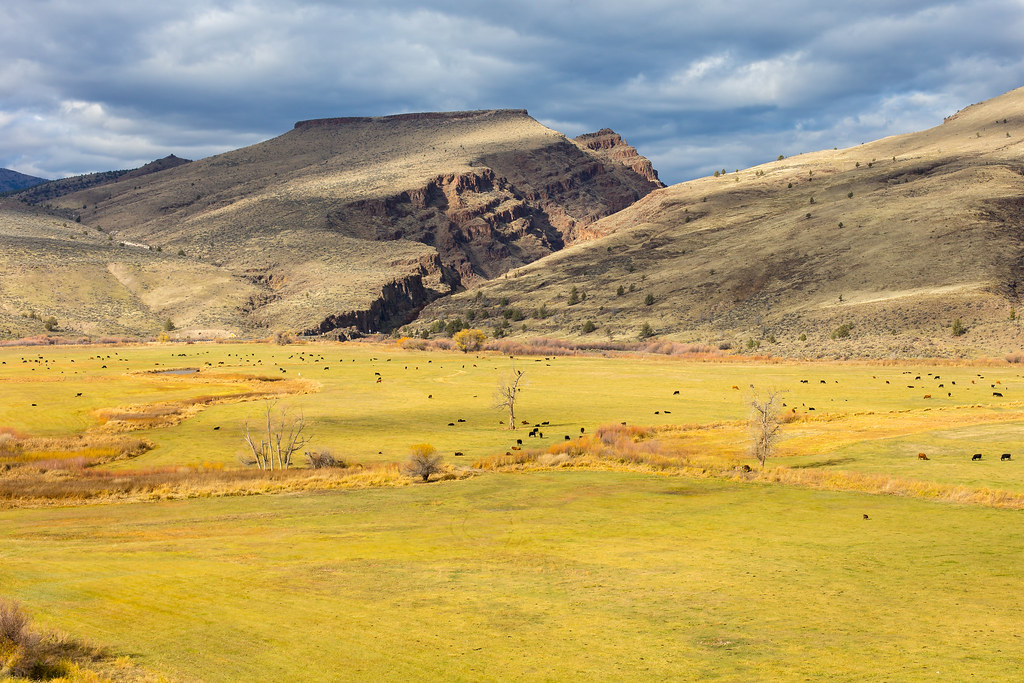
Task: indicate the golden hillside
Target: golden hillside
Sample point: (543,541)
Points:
(896,239)
(339,223)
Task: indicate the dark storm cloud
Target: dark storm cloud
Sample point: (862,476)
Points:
(100,85)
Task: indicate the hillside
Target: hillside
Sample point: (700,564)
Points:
(895,239)
(358,222)
(11,181)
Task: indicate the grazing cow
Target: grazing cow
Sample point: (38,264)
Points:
(866,517)
(675,393)
(976,456)
(1004,456)
(810,409)
(582,430)
(886,381)
(79,393)
(519,442)
(922,456)
(668,412)
(735,387)
(996,393)
(918,377)
(379,380)
(430,396)
(657,412)
(516,448)
(458,452)
(377,373)
(460,420)
(910,386)
(216,428)
(803,381)
(942,386)
(526,422)
(568,438)
(927,395)
(822,381)
(451,424)
(545,423)
(540,435)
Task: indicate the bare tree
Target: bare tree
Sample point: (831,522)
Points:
(282,437)
(507,393)
(765,424)
(423,461)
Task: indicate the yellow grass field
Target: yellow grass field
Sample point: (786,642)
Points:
(622,554)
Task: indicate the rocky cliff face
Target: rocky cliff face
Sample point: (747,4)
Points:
(609,145)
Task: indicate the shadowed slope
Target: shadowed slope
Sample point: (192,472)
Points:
(896,238)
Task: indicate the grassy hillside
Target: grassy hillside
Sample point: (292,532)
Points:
(340,223)
(896,239)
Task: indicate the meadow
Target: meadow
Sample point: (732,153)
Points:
(676,567)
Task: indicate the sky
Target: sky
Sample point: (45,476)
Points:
(695,86)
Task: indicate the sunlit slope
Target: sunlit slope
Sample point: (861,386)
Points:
(359,222)
(897,238)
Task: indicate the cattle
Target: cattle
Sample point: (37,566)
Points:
(568,438)
(545,423)
(886,381)
(582,430)
(526,422)
(516,448)
(657,412)
(540,435)
(822,381)
(460,420)
(803,381)
(668,412)
(976,456)
(1004,456)
(927,395)
(675,393)
(519,442)
(866,517)
(922,456)
(377,373)
(216,428)
(379,379)
(996,393)
(79,393)
(942,386)
(735,387)
(451,424)
(458,453)
(430,396)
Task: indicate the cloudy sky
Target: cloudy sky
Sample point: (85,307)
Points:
(109,84)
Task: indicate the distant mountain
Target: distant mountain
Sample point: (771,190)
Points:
(49,190)
(873,250)
(339,223)
(12,180)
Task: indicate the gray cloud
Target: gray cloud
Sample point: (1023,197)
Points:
(113,84)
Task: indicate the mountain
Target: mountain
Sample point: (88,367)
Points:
(876,250)
(12,180)
(338,223)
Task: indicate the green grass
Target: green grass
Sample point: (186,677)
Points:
(368,421)
(545,576)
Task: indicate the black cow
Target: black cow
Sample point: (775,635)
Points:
(976,456)
(1004,456)
(675,393)
(996,393)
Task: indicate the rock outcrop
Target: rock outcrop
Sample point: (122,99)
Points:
(610,145)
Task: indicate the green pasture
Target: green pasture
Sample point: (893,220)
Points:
(420,393)
(543,576)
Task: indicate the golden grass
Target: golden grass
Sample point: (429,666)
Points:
(33,485)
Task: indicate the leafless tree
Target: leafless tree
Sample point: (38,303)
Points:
(508,393)
(423,461)
(281,436)
(765,423)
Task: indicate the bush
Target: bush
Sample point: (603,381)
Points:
(454,326)
(645,331)
(649,300)
(323,459)
(283,337)
(423,461)
(589,327)
(50,324)
(574,296)
(842,332)
(470,339)
(958,328)
(168,325)
(622,290)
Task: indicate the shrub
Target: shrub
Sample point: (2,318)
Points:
(423,461)
(454,326)
(283,337)
(589,327)
(323,458)
(842,332)
(803,337)
(168,325)
(50,324)
(645,331)
(780,158)
(649,300)
(958,328)
(181,252)
(574,296)
(622,290)
(470,339)
(849,195)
